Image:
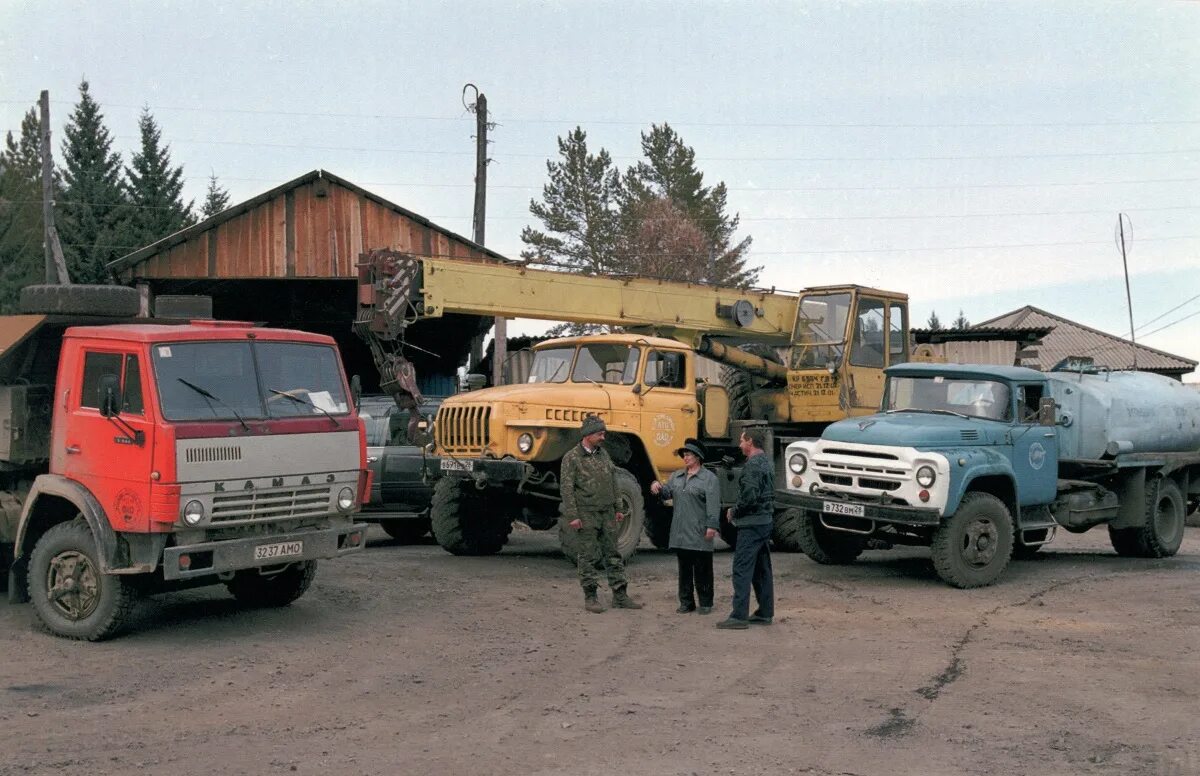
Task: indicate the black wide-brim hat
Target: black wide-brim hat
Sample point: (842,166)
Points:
(692,446)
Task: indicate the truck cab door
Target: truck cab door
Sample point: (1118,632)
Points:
(1035,449)
(867,355)
(110,456)
(669,411)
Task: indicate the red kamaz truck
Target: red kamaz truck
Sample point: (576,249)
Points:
(141,457)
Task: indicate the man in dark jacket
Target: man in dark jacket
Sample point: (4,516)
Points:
(753,515)
(591,505)
(696,496)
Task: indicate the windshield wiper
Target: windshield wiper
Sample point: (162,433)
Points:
(933,411)
(307,402)
(217,399)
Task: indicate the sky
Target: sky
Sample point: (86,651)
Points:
(972,155)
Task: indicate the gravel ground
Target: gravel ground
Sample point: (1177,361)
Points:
(407,660)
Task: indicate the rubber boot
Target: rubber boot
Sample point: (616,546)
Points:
(591,602)
(621,600)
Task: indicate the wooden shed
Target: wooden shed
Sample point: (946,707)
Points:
(287,258)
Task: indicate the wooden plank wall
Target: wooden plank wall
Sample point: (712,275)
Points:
(316,230)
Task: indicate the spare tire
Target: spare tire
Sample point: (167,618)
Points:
(118,301)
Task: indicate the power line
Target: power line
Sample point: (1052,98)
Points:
(1168,312)
(643,123)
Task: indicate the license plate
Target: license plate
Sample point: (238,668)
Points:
(838,508)
(451,465)
(278,550)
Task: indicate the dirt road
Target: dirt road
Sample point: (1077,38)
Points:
(408,660)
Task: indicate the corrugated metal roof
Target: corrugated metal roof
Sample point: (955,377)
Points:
(1069,338)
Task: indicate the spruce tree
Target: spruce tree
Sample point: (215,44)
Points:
(216,198)
(934,323)
(670,172)
(93,210)
(961,321)
(21,254)
(155,188)
(578,210)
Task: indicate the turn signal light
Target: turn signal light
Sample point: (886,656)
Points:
(923,495)
(354,538)
(797,481)
(185,562)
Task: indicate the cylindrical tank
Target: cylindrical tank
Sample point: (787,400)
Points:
(1123,412)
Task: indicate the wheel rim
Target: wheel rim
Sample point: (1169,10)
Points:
(72,585)
(1166,522)
(980,543)
(625,525)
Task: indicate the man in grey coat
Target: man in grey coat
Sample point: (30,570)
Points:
(696,494)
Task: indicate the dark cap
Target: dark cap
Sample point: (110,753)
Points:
(591,424)
(694,447)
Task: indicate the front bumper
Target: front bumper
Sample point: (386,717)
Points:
(491,469)
(872,513)
(208,558)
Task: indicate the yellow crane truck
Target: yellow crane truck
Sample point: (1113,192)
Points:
(793,362)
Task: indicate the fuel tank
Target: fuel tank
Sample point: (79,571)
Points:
(1104,414)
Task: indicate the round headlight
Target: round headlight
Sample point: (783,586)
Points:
(193,513)
(926,476)
(345,499)
(525,442)
(798,463)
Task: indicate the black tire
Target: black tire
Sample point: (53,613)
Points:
(92,606)
(119,301)
(406,530)
(1126,541)
(785,536)
(740,384)
(461,521)
(972,547)
(829,548)
(728,532)
(255,588)
(1162,533)
(629,532)
(658,523)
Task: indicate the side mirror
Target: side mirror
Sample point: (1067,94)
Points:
(1046,412)
(356,389)
(110,389)
(636,389)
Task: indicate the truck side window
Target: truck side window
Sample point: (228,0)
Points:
(897,325)
(131,388)
(1028,399)
(97,366)
(664,369)
(869,334)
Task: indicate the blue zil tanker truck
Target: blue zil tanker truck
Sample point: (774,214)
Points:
(981,463)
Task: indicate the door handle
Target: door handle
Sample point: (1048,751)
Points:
(1049,435)
(73,450)
(688,410)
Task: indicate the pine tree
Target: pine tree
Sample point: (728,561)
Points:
(578,211)
(93,210)
(670,172)
(155,188)
(961,321)
(21,253)
(216,198)
(933,324)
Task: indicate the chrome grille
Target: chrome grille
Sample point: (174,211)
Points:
(273,504)
(463,427)
(871,471)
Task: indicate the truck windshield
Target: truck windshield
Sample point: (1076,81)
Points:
(552,365)
(939,393)
(820,333)
(606,362)
(247,379)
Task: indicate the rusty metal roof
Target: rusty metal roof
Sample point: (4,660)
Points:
(1069,338)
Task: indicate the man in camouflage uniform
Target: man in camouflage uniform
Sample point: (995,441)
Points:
(591,505)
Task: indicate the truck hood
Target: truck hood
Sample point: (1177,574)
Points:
(534,393)
(915,429)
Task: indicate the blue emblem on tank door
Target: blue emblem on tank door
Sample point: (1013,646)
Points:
(1037,456)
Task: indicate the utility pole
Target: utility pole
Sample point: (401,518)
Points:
(1121,218)
(56,265)
(479,108)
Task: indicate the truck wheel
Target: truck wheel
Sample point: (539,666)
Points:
(1163,532)
(255,588)
(824,546)
(786,533)
(70,594)
(406,530)
(461,521)
(972,547)
(658,523)
(119,301)
(1126,542)
(739,384)
(629,530)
